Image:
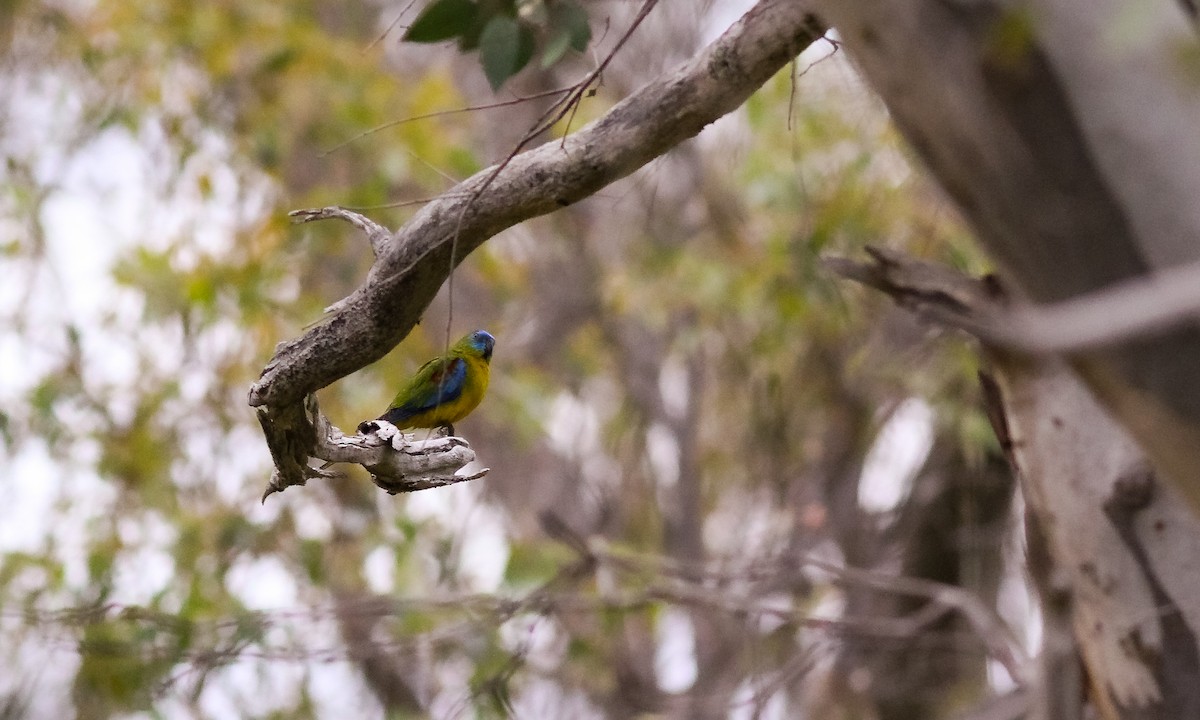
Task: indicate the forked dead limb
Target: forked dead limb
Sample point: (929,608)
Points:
(398,462)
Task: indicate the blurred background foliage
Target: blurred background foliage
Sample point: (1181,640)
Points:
(688,414)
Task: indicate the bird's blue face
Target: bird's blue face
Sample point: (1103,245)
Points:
(483,342)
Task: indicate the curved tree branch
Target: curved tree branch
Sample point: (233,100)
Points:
(411,266)
(397,462)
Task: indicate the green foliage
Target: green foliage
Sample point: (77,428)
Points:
(130,410)
(531,564)
(507,34)
(568,30)
(505,46)
(115,674)
(443,20)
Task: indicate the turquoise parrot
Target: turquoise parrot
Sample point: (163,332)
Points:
(444,390)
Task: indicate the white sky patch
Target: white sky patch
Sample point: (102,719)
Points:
(722,15)
(254,687)
(675,655)
(822,647)
(746,523)
(145,566)
(781,603)
(111,358)
(141,575)
(167,339)
(31,485)
(312,519)
(25,357)
(537,637)
(1015,601)
(44,110)
(434,506)
(338,691)
(545,698)
(896,456)
(116,191)
(478,530)
(485,548)
(262,583)
(452,698)
(93,498)
(663,452)
(747,704)
(244,455)
(92,217)
(830,605)
(379,569)
(572,426)
(250,688)
(818,51)
(42,671)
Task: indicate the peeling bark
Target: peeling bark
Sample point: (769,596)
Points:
(1068,137)
(1124,550)
(398,462)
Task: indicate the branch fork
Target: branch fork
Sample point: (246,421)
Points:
(398,461)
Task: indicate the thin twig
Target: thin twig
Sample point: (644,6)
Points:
(987,624)
(391,26)
(557,111)
(443,113)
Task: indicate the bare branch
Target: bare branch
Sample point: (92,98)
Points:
(990,628)
(398,462)
(1124,311)
(377,234)
(453,111)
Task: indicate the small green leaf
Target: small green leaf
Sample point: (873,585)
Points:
(569,29)
(556,47)
(575,19)
(442,20)
(504,48)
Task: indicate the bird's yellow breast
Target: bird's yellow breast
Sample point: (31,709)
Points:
(451,411)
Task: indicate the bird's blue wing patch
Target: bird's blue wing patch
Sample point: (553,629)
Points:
(443,385)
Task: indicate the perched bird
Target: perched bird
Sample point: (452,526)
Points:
(445,390)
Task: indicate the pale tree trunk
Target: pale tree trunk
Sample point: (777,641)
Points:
(1115,552)
(1124,544)
(1068,132)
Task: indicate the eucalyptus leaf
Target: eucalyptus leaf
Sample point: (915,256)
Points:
(442,20)
(504,48)
(569,30)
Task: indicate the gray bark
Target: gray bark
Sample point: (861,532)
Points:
(1068,132)
(1121,549)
